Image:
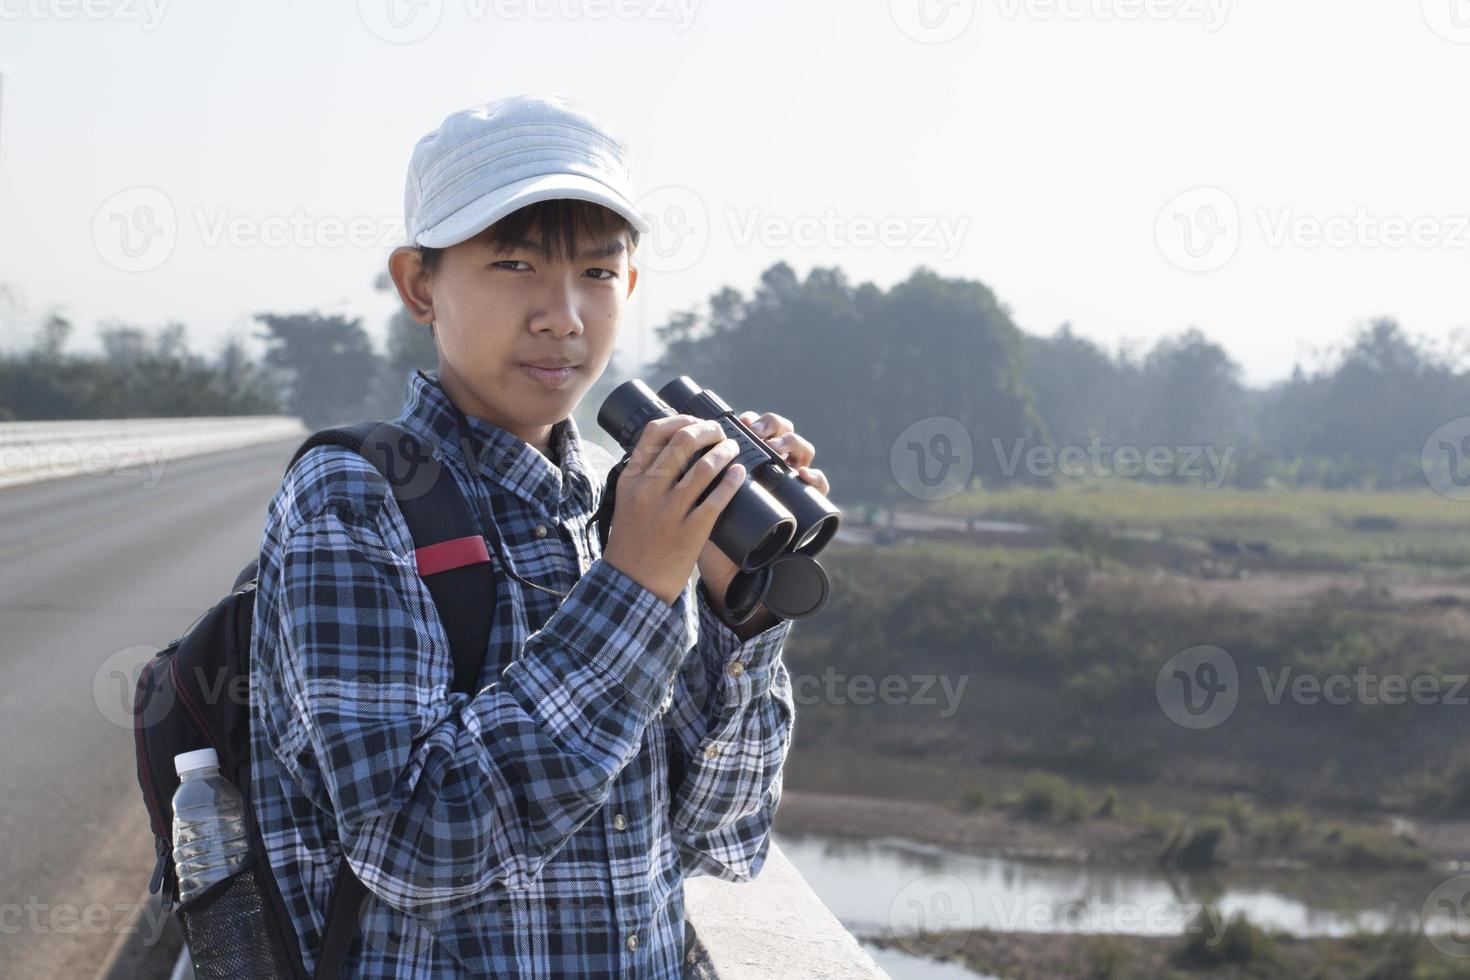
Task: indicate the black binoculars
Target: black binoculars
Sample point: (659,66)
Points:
(774,526)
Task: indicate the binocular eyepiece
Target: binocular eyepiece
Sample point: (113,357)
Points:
(774,526)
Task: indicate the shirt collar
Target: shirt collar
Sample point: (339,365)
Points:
(556,492)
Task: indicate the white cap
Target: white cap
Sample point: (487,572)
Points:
(484,162)
(198,759)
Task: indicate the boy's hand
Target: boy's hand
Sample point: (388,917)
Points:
(657,531)
(715,569)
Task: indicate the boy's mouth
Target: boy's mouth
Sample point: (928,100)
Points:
(553,374)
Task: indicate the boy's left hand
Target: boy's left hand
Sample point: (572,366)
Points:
(715,569)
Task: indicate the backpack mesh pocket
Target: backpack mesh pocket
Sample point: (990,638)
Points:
(232,933)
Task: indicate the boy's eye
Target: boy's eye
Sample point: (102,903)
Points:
(510,266)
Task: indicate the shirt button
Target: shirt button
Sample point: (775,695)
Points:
(712,751)
(540,530)
(619,823)
(736,669)
(633,941)
(503,463)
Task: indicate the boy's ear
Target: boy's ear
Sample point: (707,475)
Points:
(412,283)
(632,277)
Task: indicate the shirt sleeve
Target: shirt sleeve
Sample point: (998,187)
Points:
(729,729)
(437,794)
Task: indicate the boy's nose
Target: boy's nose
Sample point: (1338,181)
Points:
(558,315)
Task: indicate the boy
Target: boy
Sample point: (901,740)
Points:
(623,735)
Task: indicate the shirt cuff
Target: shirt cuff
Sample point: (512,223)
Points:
(747,666)
(625,631)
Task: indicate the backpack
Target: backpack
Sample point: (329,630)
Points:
(194,694)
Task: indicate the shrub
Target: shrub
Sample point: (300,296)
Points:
(1366,850)
(1284,827)
(1195,848)
(1237,811)
(973,798)
(1242,943)
(1046,796)
(1106,957)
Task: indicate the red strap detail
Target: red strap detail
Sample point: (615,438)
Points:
(454,553)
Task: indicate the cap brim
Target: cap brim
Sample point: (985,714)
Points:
(483,212)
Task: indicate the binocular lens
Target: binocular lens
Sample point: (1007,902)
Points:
(771,545)
(817,536)
(757,528)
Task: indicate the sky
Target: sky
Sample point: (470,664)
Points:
(1275,174)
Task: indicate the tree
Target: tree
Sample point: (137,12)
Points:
(853,367)
(1190,394)
(324,365)
(241,385)
(1078,388)
(52,338)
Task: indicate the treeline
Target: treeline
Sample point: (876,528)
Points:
(1362,420)
(854,366)
(137,375)
(323,369)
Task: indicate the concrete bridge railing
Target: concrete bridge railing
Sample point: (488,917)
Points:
(32,451)
(773,926)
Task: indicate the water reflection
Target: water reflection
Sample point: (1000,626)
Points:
(895,885)
(905,966)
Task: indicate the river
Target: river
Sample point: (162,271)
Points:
(896,885)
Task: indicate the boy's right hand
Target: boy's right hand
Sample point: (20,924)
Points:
(657,532)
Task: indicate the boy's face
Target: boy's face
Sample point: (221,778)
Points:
(497,310)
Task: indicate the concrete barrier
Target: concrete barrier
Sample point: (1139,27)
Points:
(34,451)
(771,926)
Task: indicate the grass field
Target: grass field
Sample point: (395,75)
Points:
(1414,527)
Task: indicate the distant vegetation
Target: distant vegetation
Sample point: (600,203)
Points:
(1216,946)
(854,365)
(1065,654)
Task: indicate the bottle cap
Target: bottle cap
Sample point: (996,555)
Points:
(198,759)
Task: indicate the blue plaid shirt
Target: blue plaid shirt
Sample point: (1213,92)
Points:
(544,826)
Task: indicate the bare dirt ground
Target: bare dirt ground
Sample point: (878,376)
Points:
(1277,591)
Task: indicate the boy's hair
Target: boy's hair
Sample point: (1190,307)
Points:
(560,222)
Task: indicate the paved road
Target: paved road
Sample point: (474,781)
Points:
(97,572)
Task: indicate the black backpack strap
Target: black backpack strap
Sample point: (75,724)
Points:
(343,924)
(455,565)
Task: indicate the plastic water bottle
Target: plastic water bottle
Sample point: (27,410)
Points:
(209,824)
